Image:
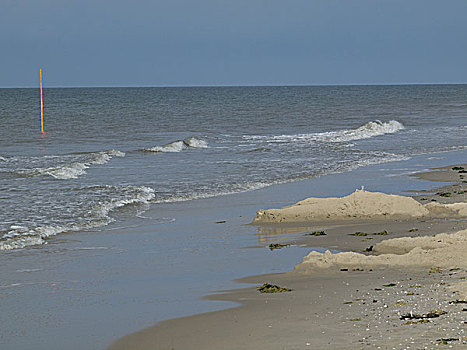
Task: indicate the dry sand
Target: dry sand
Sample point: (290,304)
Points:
(360,205)
(335,310)
(380,293)
(447,251)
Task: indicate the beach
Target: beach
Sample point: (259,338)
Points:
(212,175)
(376,296)
(180,175)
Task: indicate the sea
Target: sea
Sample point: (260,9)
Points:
(136,202)
(111,152)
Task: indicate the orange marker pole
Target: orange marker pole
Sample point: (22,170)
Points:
(42,105)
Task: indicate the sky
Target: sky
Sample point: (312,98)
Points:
(232,42)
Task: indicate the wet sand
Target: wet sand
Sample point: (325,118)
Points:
(338,307)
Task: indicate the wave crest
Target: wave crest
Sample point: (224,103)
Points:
(179,145)
(74,169)
(366,131)
(175,146)
(195,142)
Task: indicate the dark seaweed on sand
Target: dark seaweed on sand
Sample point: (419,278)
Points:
(430,314)
(358,234)
(273,246)
(444,194)
(316,233)
(272,288)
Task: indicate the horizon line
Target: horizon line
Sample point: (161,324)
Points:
(228,85)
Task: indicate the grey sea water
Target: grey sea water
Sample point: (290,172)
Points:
(111,152)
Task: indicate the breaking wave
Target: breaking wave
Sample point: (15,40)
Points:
(366,131)
(75,168)
(179,145)
(175,146)
(195,142)
(21,236)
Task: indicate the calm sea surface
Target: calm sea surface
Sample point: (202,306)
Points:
(111,152)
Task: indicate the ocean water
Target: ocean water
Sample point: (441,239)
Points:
(112,153)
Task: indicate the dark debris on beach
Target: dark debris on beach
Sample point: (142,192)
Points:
(273,246)
(316,233)
(272,288)
(429,314)
(361,234)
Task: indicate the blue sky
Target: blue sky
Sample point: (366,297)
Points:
(241,42)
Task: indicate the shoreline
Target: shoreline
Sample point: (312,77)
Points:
(287,323)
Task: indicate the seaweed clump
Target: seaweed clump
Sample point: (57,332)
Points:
(272,288)
(316,233)
(445,341)
(389,285)
(444,194)
(273,246)
(362,234)
(430,314)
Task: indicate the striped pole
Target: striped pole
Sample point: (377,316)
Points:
(42,105)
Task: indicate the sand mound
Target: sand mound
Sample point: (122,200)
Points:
(359,205)
(443,250)
(454,210)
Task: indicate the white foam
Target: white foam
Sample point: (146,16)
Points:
(195,142)
(145,195)
(70,171)
(104,157)
(20,236)
(368,130)
(244,188)
(75,169)
(176,146)
(20,242)
(28,270)
(179,145)
(18,228)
